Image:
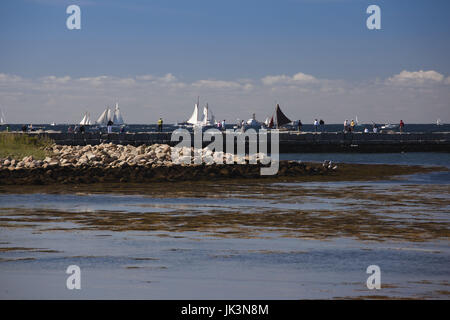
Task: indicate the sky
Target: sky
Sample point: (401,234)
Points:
(316,58)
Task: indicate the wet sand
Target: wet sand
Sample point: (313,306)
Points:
(280,239)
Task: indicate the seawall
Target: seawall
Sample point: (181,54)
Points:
(290,142)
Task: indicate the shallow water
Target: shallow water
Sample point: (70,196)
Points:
(231,240)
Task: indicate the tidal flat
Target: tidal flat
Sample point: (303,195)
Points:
(282,238)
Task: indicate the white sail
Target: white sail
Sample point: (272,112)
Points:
(2,117)
(110,115)
(103,119)
(208,117)
(194,117)
(84,120)
(118,119)
(88,121)
(438,122)
(205,115)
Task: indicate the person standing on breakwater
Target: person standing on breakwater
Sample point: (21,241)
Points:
(82,129)
(401,125)
(160,124)
(352,126)
(322,125)
(299,124)
(316,124)
(345,125)
(70,129)
(375,128)
(109,126)
(223,124)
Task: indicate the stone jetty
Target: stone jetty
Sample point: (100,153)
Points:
(109,162)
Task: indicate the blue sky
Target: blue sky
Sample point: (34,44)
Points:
(225,41)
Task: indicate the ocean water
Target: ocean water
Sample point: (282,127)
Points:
(232,240)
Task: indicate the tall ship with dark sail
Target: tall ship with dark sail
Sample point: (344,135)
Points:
(278,119)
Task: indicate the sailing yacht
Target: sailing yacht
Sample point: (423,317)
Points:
(208,119)
(86,121)
(111,115)
(104,117)
(193,119)
(117,118)
(438,122)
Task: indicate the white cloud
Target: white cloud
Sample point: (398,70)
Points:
(146,77)
(168,78)
(94,81)
(216,84)
(296,79)
(416,78)
(54,79)
(9,78)
(146,97)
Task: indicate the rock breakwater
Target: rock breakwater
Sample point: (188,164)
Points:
(126,163)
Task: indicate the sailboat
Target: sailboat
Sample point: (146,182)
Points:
(193,119)
(117,118)
(86,121)
(104,117)
(2,118)
(196,120)
(357,123)
(438,122)
(208,117)
(279,119)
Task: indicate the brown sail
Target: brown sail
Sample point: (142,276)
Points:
(271,123)
(281,118)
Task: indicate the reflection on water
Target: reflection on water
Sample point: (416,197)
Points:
(228,240)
